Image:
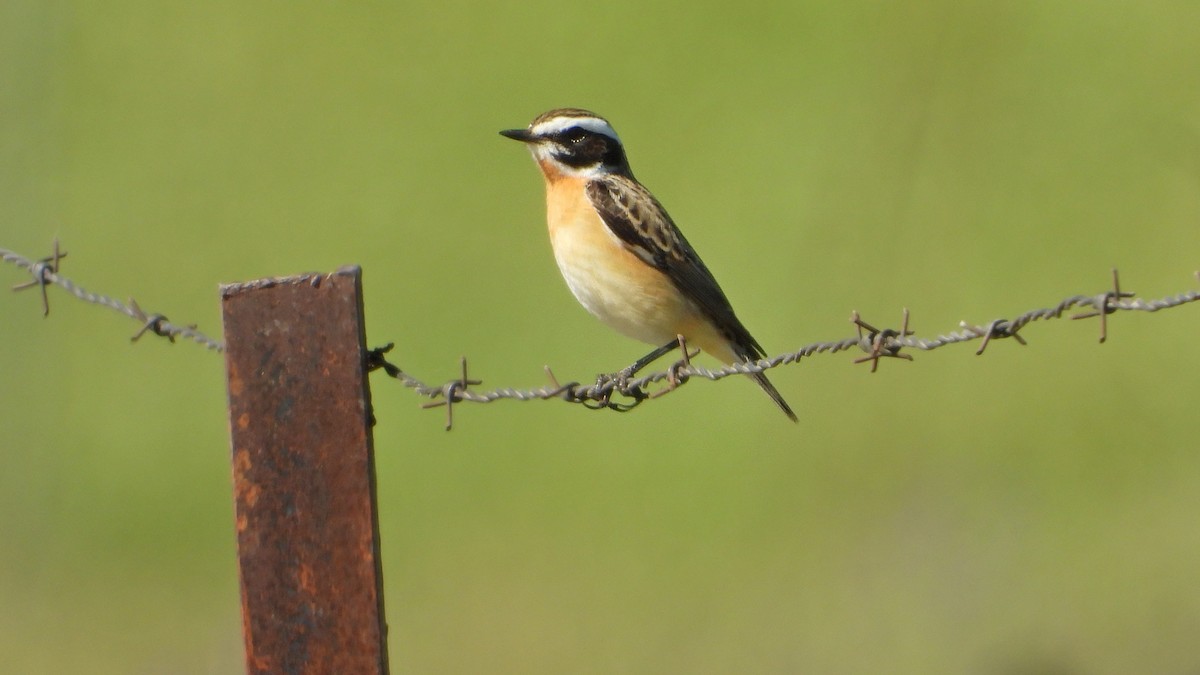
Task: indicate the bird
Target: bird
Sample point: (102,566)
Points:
(622,256)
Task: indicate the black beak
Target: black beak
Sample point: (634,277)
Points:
(522,135)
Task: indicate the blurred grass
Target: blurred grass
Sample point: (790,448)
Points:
(1031,511)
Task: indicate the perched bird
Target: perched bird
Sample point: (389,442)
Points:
(621,254)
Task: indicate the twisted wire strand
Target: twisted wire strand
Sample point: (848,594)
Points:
(45,271)
(876,343)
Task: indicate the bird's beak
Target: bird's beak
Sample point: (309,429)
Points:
(522,135)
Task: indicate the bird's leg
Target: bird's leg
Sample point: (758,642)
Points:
(646,360)
(620,379)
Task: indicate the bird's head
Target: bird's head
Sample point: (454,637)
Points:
(572,142)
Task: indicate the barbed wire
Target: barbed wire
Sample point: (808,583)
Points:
(45,272)
(624,390)
(877,343)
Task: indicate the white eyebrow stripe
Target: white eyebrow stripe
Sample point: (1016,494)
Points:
(557,124)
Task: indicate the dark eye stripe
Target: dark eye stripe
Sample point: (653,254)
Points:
(580,148)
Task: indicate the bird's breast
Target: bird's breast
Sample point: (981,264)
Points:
(611,282)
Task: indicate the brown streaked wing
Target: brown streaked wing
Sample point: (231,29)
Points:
(643,225)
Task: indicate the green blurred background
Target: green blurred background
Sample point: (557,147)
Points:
(1033,510)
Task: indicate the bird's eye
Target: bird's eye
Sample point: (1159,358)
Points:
(574,135)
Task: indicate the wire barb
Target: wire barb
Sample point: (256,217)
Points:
(39,270)
(452,392)
(1104,306)
(882,343)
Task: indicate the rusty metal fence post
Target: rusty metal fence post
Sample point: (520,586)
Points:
(304,475)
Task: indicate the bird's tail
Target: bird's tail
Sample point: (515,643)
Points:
(761,379)
(751,352)
(730,350)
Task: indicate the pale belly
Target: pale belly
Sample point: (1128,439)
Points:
(621,290)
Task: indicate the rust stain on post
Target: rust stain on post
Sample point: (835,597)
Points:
(304,475)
